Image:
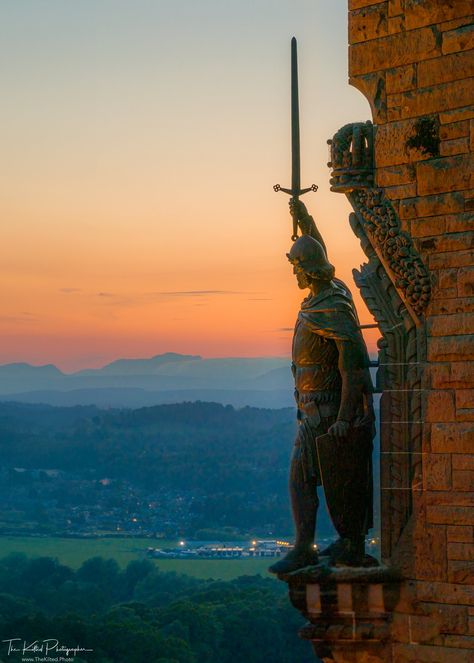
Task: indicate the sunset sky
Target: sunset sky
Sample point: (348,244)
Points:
(140,143)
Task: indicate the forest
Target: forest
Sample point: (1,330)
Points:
(141,614)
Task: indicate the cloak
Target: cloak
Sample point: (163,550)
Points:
(332,314)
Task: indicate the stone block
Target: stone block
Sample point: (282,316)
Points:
(357,4)
(451,259)
(449,515)
(464,399)
(446,68)
(428,227)
(457,115)
(461,571)
(390,145)
(463,480)
(416,653)
(400,628)
(459,39)
(400,192)
(395,175)
(448,278)
(461,641)
(448,618)
(471,135)
(437,472)
(460,534)
(443,305)
(440,406)
(448,148)
(454,130)
(465,415)
(424,630)
(451,325)
(455,23)
(444,174)
(396,7)
(396,24)
(422,206)
(419,13)
(430,99)
(369,22)
(459,222)
(400,79)
(451,348)
(463,461)
(447,242)
(466,281)
(452,438)
(449,498)
(453,375)
(461,552)
(393,51)
(445,592)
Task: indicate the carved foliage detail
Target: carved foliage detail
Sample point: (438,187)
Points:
(383,228)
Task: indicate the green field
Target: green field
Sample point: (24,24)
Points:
(73,552)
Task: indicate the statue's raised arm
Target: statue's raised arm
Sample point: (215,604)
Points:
(305,221)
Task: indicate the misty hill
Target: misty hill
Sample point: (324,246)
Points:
(165,378)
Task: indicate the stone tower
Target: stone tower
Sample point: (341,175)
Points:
(409,178)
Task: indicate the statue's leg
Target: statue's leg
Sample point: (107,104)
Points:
(304,504)
(304,498)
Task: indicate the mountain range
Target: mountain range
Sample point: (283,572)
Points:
(164,378)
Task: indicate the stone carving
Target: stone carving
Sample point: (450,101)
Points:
(352,163)
(383,227)
(395,285)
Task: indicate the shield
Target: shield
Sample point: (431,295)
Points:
(346,475)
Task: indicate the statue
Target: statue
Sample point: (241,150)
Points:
(333,392)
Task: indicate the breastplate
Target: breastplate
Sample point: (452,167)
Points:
(315,360)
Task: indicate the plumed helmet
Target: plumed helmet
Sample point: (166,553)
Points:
(308,254)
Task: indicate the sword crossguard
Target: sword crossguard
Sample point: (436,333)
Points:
(292,192)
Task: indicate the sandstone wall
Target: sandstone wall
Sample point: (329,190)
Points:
(414,62)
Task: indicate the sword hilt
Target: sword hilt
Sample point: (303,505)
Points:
(296,194)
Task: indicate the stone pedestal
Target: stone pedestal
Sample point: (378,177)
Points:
(349,610)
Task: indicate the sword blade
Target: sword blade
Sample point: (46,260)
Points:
(295,123)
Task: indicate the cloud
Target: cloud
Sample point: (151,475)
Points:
(283,329)
(259,299)
(195,293)
(24,316)
(69,291)
(143,298)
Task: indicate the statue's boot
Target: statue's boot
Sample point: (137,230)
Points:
(296,559)
(347,552)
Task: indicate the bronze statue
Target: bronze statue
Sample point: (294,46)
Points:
(333,392)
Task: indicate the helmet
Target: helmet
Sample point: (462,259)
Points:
(308,254)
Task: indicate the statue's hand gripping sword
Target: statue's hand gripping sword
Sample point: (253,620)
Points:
(295,190)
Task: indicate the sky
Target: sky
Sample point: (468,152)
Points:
(140,141)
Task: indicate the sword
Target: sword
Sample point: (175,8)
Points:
(295,190)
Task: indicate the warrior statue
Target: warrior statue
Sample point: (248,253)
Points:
(333,392)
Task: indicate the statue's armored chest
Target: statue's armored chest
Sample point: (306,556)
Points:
(312,349)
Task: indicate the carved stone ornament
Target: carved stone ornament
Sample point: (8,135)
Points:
(352,163)
(395,285)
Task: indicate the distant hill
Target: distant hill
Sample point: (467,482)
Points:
(165,378)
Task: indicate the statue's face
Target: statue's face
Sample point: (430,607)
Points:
(301,277)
